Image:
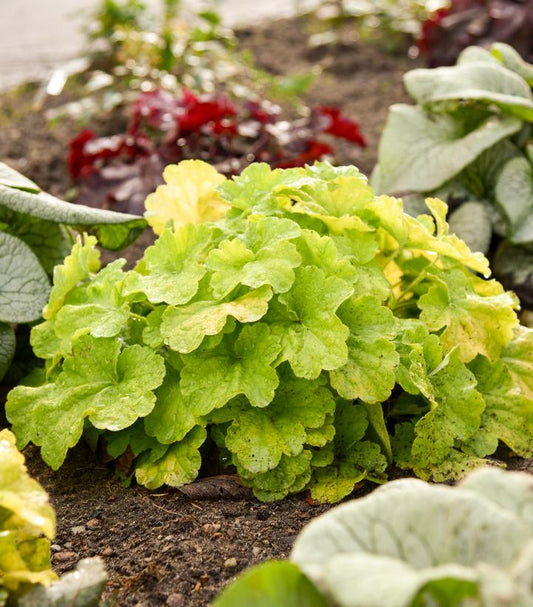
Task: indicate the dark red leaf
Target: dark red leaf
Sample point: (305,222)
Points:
(340,126)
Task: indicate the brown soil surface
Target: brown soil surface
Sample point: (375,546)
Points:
(166,547)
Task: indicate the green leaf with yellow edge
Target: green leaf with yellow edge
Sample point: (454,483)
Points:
(20,495)
(97,308)
(478,316)
(177,465)
(259,437)
(82,263)
(508,416)
(184,328)
(264,255)
(370,373)
(517,356)
(171,269)
(337,207)
(189,196)
(414,233)
(109,386)
(312,336)
(454,417)
(241,364)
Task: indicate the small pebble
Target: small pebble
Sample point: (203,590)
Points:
(65,556)
(93,523)
(55,548)
(175,600)
(78,529)
(107,551)
(256,551)
(230,563)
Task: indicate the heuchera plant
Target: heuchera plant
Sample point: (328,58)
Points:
(35,235)
(120,171)
(311,329)
(408,544)
(469,142)
(27,524)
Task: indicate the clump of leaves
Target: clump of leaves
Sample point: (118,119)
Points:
(314,331)
(35,235)
(120,171)
(408,544)
(27,524)
(482,22)
(469,141)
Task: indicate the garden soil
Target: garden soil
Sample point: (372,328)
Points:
(180,547)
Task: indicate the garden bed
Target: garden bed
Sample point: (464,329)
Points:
(173,547)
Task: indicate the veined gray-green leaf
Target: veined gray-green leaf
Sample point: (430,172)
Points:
(409,541)
(512,60)
(13,179)
(114,230)
(420,151)
(50,241)
(82,587)
(481,81)
(514,194)
(7,348)
(24,286)
(471,222)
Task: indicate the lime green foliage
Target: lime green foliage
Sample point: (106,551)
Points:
(408,544)
(469,140)
(34,237)
(315,332)
(27,524)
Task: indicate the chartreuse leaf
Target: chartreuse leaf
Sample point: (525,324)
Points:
(508,415)
(354,458)
(487,82)
(183,328)
(242,364)
(25,516)
(420,151)
(109,386)
(82,263)
(291,475)
(171,269)
(259,437)
(337,207)
(518,359)
(189,196)
(455,415)
(312,336)
(271,584)
(174,414)
(370,373)
(264,255)
(24,286)
(114,230)
(477,316)
(176,465)
(97,308)
(410,543)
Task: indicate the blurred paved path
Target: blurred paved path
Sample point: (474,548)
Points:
(38,35)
